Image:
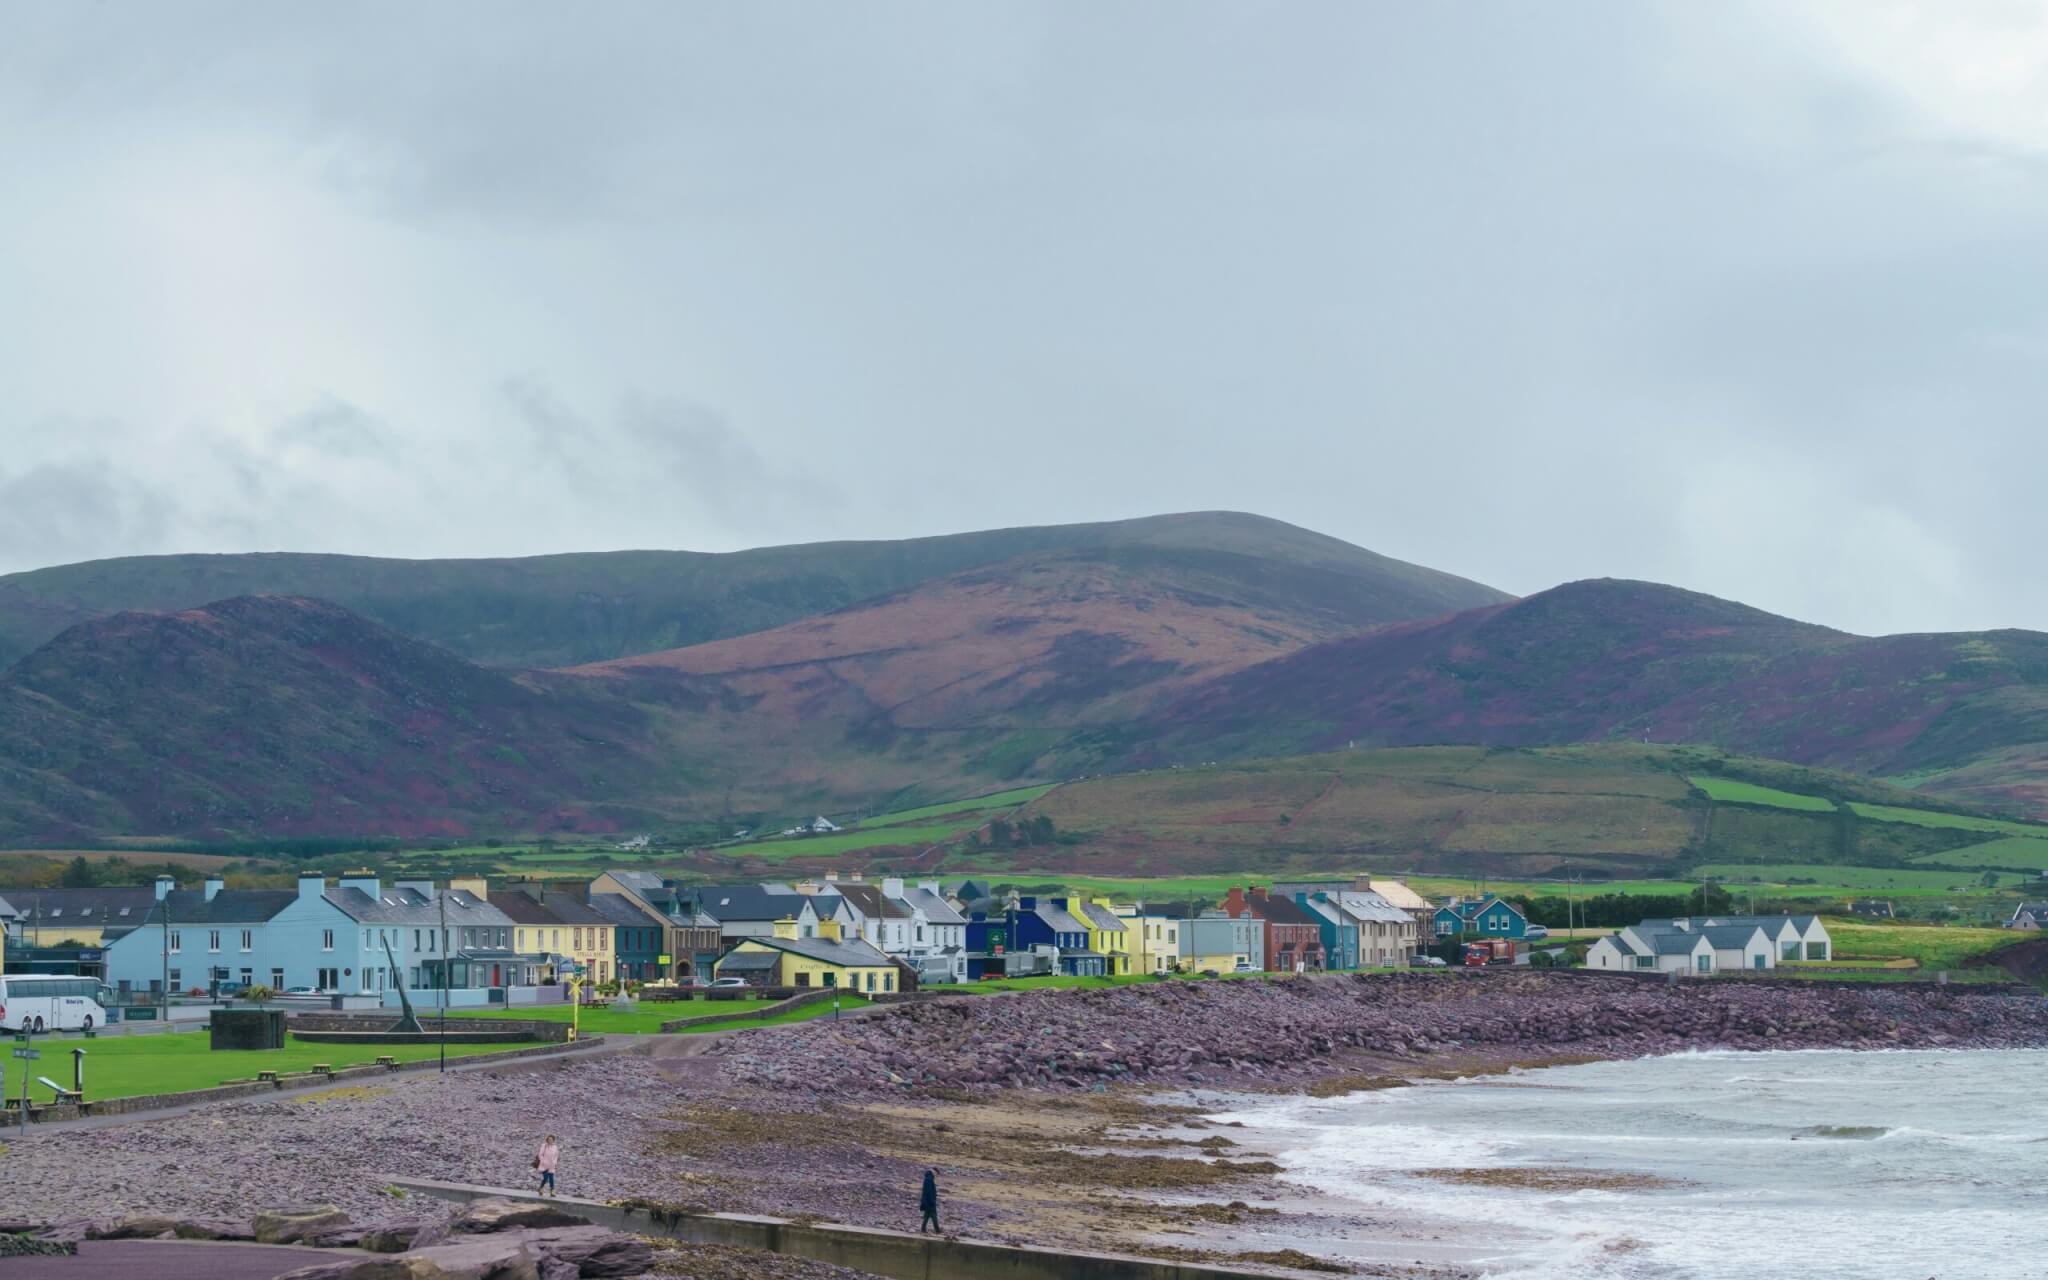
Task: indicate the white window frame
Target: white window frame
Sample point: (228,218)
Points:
(248,940)
(327,939)
(213,941)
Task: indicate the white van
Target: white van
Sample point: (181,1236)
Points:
(50,1002)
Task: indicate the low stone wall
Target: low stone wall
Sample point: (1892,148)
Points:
(436,1036)
(902,1255)
(816,996)
(541,1029)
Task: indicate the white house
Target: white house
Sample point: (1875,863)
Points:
(1733,942)
(2029,915)
(1636,950)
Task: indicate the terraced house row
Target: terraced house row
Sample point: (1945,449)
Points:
(361,937)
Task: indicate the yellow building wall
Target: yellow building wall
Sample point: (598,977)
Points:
(63,935)
(1154,943)
(803,971)
(1224,963)
(591,944)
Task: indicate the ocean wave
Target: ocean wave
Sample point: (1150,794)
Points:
(1846,1132)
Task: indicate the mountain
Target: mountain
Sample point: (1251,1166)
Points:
(548,611)
(1963,716)
(281,716)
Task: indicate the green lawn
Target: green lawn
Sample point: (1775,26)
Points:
(1956,821)
(1824,880)
(822,1009)
(1935,947)
(2019,853)
(172,1062)
(1729,791)
(643,1019)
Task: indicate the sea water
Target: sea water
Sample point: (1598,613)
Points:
(1801,1164)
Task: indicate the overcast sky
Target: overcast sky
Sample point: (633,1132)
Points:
(1748,298)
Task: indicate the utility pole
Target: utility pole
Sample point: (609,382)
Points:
(441,898)
(166,1012)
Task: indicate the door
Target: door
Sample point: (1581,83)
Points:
(497,975)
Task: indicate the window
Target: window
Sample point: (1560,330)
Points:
(213,939)
(831,978)
(329,979)
(579,939)
(366,939)
(177,942)
(888,982)
(248,976)
(177,978)
(277,979)
(1646,962)
(1706,964)
(416,940)
(555,939)
(326,941)
(248,939)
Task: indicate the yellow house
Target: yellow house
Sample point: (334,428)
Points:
(1154,940)
(827,960)
(1107,935)
(557,924)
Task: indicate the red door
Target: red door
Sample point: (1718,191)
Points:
(497,976)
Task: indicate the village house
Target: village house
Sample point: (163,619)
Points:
(1711,944)
(782,959)
(1107,934)
(636,937)
(1214,942)
(1153,935)
(219,939)
(938,946)
(691,940)
(1048,923)
(2029,915)
(1338,929)
(1293,937)
(1488,917)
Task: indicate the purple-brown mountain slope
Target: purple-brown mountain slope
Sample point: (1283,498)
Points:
(284,716)
(1965,715)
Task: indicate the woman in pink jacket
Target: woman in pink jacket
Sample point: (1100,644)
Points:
(549,1156)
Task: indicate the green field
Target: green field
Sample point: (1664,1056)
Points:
(1729,791)
(1824,880)
(1951,821)
(1934,947)
(2019,853)
(127,1066)
(916,835)
(1000,800)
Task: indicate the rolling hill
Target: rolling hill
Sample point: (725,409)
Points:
(549,611)
(1961,716)
(284,716)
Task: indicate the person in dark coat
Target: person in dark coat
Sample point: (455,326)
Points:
(928,1203)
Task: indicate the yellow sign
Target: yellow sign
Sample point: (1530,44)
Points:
(662,960)
(575,1005)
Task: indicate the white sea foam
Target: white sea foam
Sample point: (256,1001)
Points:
(1814,1162)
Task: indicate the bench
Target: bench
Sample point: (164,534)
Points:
(266,1077)
(63,1094)
(387,1061)
(321,1069)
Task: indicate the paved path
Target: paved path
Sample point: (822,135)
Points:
(170,1260)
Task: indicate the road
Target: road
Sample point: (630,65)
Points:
(170,1260)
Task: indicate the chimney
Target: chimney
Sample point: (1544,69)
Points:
(829,930)
(1233,902)
(856,877)
(892,887)
(164,885)
(424,888)
(831,877)
(364,880)
(475,886)
(311,885)
(786,927)
(930,886)
(1027,904)
(214,884)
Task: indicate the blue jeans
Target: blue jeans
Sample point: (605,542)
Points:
(547,1180)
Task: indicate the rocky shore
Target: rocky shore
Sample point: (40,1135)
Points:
(1041,1110)
(1259,1033)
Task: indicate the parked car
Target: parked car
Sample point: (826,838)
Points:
(727,984)
(1421,961)
(1537,932)
(304,991)
(1243,966)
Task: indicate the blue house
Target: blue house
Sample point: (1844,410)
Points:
(1338,928)
(1489,917)
(1049,923)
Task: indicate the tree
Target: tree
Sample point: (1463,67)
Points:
(79,874)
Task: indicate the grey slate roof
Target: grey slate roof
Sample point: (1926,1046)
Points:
(730,903)
(1103,918)
(1676,943)
(1060,921)
(619,910)
(411,907)
(93,906)
(872,902)
(1729,937)
(936,908)
(750,960)
(852,952)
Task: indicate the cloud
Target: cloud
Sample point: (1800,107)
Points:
(88,508)
(340,430)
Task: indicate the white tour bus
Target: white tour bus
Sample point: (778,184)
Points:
(50,1002)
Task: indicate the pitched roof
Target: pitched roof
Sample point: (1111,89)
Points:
(750,960)
(1677,942)
(1372,907)
(524,908)
(936,908)
(411,907)
(872,902)
(618,909)
(1398,893)
(98,905)
(1728,937)
(842,952)
(1282,911)
(1103,918)
(749,903)
(1060,921)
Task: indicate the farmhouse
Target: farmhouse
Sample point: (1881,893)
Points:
(2029,915)
(786,960)
(1491,917)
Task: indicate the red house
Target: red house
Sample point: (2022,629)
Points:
(1294,938)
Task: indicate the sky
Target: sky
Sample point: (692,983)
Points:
(1747,297)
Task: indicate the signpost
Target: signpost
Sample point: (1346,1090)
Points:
(25,1049)
(575,1003)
